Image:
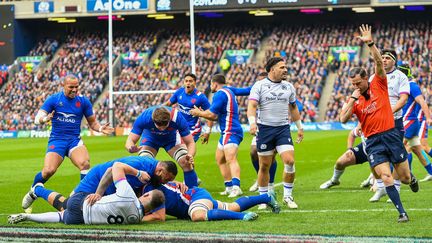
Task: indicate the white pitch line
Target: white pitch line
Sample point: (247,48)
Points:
(345,210)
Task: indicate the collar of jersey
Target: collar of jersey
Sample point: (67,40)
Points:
(392,71)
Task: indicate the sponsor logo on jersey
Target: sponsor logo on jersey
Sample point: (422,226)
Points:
(66,117)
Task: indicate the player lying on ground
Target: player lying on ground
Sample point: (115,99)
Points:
(122,207)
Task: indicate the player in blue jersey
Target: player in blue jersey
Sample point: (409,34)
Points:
(224,109)
(65,110)
(98,182)
(164,127)
(198,205)
(187,97)
(120,207)
(412,111)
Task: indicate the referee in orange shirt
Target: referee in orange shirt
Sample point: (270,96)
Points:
(370,103)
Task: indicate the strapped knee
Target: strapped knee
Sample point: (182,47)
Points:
(57,204)
(415,141)
(196,206)
(146,153)
(289,168)
(180,153)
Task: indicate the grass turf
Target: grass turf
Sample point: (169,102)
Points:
(342,210)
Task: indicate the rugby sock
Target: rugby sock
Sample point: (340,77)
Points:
(38,178)
(263,189)
(218,214)
(51,217)
(250,201)
(394,196)
(410,158)
(288,187)
(397,184)
(228,185)
(236,181)
(380,184)
(430,153)
(190,178)
(42,192)
(426,157)
(272,171)
(337,174)
(271,187)
(255,164)
(83,173)
(429,169)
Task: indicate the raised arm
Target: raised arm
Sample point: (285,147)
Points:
(366,37)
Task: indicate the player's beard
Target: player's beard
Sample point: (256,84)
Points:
(155,180)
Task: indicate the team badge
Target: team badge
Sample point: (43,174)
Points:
(263,146)
(193,101)
(78,104)
(61,103)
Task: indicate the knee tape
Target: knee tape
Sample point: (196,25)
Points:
(146,153)
(57,204)
(179,154)
(289,168)
(415,141)
(197,206)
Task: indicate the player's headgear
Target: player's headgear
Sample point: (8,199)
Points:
(271,62)
(391,53)
(405,68)
(161,116)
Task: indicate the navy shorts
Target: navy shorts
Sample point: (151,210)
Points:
(268,138)
(73,213)
(385,147)
(399,126)
(359,153)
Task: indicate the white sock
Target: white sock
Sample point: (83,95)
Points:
(271,187)
(397,184)
(51,217)
(337,174)
(288,187)
(380,184)
(262,189)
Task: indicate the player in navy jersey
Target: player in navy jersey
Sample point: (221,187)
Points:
(197,204)
(187,97)
(164,127)
(224,109)
(412,112)
(120,207)
(66,110)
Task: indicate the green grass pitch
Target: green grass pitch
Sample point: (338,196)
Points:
(342,210)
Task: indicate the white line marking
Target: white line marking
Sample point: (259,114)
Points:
(346,210)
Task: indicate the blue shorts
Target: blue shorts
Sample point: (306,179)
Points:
(385,147)
(399,125)
(423,131)
(270,138)
(167,141)
(74,213)
(196,136)
(63,147)
(201,193)
(359,153)
(411,128)
(229,138)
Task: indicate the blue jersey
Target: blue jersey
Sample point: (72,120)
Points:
(186,102)
(176,203)
(91,181)
(144,124)
(412,110)
(225,106)
(240,91)
(66,122)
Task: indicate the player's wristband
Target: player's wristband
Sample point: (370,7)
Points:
(354,98)
(370,44)
(138,175)
(251,120)
(299,124)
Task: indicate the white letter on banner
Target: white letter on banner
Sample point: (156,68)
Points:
(99,6)
(118,4)
(136,4)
